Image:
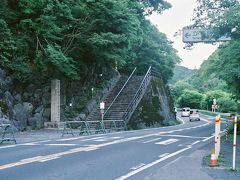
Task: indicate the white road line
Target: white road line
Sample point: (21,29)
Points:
(71,151)
(4,147)
(195,142)
(42,141)
(207,138)
(60,144)
(138,166)
(92,139)
(107,139)
(151,140)
(151,164)
(167,142)
(29,144)
(49,159)
(192,137)
(70,139)
(163,155)
(183,122)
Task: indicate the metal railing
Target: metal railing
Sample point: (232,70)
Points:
(138,96)
(119,92)
(90,127)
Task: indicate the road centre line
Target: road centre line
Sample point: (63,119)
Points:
(152,164)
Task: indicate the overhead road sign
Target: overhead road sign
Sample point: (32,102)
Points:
(199,35)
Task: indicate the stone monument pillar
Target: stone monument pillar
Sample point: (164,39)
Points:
(55,101)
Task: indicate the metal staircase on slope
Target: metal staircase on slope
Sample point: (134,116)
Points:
(122,100)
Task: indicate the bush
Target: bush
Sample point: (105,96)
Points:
(191,99)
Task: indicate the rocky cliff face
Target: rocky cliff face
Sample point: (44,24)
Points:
(155,108)
(28,107)
(24,108)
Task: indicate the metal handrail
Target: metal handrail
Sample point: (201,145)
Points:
(120,91)
(137,96)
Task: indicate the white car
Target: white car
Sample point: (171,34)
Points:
(185,112)
(194,116)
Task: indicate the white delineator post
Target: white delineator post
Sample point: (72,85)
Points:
(55,101)
(217,136)
(234,143)
(102,107)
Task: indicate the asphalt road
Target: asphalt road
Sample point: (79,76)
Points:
(122,155)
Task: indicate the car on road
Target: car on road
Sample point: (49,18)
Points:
(185,112)
(194,115)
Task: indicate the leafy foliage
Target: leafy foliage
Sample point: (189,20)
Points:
(191,99)
(68,39)
(221,16)
(180,73)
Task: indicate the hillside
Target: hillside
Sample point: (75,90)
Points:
(180,73)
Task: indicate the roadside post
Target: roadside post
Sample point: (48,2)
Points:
(102,107)
(214,105)
(234,143)
(217,136)
(226,132)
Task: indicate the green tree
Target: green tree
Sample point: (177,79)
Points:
(72,40)
(178,89)
(190,99)
(227,104)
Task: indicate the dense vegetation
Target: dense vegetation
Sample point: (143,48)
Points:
(73,39)
(219,76)
(223,18)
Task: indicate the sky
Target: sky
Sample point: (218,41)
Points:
(174,19)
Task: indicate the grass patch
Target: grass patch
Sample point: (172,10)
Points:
(209,113)
(221,162)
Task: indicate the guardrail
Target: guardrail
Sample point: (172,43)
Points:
(6,133)
(90,127)
(138,96)
(120,91)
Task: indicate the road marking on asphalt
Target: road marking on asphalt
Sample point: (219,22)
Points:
(183,122)
(195,142)
(138,166)
(151,164)
(3,147)
(163,155)
(208,138)
(107,139)
(70,139)
(95,138)
(151,140)
(167,142)
(29,144)
(71,151)
(60,144)
(191,137)
(49,159)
